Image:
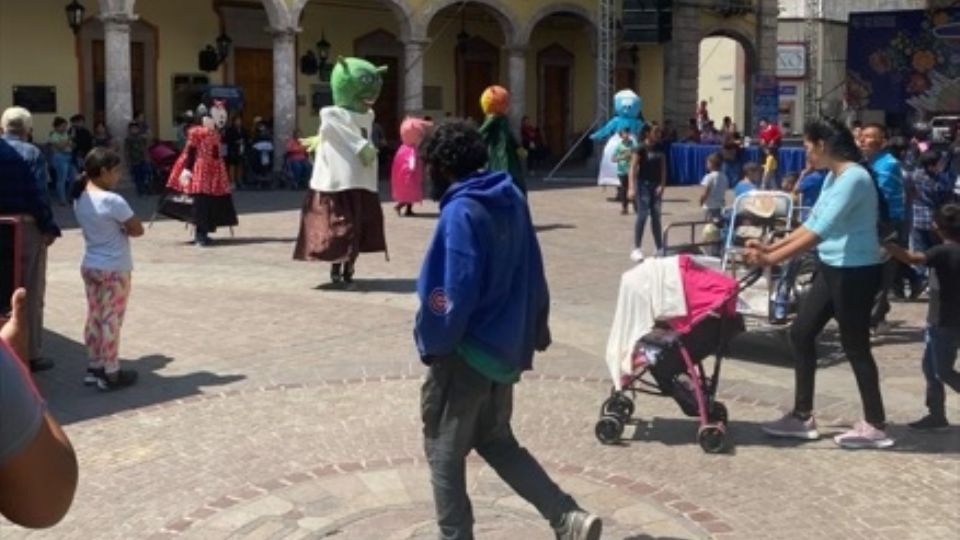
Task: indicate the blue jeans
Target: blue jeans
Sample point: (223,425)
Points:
(462,410)
(63,164)
(141,177)
(920,241)
(939,357)
(648,205)
(300,170)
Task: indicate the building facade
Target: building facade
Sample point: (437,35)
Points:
(826,59)
(132,56)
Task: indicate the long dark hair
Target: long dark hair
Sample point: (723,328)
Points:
(836,137)
(98,161)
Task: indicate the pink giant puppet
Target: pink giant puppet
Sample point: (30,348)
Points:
(406,176)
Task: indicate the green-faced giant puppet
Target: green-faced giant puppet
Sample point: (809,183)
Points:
(342,216)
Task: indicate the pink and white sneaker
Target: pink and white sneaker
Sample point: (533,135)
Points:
(863,435)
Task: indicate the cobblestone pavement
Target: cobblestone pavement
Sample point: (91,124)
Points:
(272,408)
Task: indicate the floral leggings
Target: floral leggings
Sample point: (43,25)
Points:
(107,294)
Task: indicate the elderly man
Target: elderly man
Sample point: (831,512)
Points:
(889,177)
(23,190)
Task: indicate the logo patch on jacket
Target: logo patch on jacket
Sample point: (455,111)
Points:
(438,302)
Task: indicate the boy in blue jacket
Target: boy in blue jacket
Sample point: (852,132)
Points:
(484,309)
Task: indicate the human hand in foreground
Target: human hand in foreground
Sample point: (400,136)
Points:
(14,332)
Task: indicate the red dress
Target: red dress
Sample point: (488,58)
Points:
(201,156)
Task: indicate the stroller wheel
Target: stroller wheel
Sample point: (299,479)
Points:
(618,405)
(712,438)
(718,412)
(609,429)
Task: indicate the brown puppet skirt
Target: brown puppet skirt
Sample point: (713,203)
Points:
(338,227)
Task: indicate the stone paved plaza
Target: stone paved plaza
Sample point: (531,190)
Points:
(271,407)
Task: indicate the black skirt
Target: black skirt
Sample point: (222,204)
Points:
(205,212)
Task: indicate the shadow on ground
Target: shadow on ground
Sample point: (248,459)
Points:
(71,401)
(372,285)
(683,431)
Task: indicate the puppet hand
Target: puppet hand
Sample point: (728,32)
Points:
(368,155)
(311,143)
(185,178)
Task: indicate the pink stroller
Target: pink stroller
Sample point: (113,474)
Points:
(667,361)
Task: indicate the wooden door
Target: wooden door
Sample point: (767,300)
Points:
(253,71)
(387,106)
(556,108)
(477,67)
(478,75)
(137,78)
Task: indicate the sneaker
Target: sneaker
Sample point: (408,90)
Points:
(580,525)
(118,380)
(930,423)
(92,376)
(863,435)
(636,255)
(791,426)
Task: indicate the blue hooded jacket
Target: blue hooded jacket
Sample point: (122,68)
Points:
(482,284)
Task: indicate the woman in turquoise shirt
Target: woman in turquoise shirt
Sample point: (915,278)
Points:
(843,228)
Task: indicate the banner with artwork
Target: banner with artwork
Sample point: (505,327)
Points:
(903,61)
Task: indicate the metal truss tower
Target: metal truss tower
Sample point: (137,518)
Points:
(606,57)
(811,98)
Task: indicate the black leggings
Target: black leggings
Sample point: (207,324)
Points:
(844,294)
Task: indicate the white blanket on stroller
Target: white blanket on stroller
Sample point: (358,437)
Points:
(648,292)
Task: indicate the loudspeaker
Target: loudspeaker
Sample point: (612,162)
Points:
(647,21)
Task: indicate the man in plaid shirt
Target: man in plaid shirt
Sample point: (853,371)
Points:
(930,190)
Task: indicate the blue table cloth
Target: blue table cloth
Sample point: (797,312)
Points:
(688,162)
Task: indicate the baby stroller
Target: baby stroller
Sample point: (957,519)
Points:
(162,156)
(698,318)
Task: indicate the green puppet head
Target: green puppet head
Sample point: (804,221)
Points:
(356,84)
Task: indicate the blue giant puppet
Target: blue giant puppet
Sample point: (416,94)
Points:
(626,105)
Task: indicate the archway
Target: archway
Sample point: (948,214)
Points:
(560,39)
(467,36)
(727,65)
(143,71)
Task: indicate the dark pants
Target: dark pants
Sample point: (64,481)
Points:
(623,191)
(920,241)
(648,205)
(141,177)
(892,269)
(462,410)
(844,294)
(939,357)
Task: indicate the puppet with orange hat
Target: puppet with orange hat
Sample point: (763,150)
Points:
(502,146)
(406,174)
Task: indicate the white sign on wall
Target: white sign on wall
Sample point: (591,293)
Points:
(791,61)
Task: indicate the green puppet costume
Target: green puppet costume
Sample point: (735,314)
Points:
(341,215)
(502,146)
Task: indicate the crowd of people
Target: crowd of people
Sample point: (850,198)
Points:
(882,215)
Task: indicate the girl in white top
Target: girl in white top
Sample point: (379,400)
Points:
(108,222)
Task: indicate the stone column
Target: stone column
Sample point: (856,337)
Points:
(517,68)
(284,90)
(413,78)
(681,58)
(119,92)
(766,47)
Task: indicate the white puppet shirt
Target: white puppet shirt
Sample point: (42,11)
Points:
(343,134)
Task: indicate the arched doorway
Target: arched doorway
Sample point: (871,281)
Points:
(468,37)
(143,71)
(555,68)
(727,66)
(384,49)
(562,38)
(250,64)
